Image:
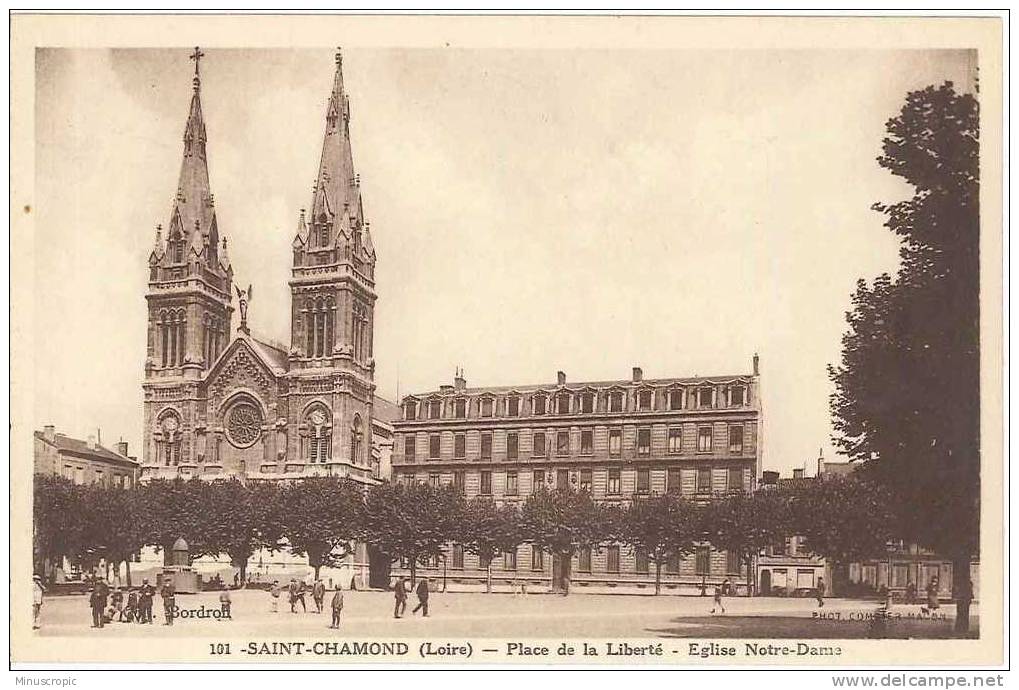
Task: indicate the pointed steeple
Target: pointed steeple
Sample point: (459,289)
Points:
(336,186)
(157,249)
(301,238)
(193,204)
(224,257)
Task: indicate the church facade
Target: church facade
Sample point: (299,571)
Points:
(220,401)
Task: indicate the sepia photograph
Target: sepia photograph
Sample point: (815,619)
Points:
(497,342)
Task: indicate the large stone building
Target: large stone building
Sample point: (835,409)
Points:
(696,436)
(224,402)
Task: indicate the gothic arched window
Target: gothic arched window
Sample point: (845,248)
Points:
(318,436)
(355,441)
(167,439)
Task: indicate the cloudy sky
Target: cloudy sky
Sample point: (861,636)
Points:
(532,210)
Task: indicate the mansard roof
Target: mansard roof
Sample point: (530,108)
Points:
(552,388)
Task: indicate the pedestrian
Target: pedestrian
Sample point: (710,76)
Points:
(292,590)
(168,594)
(97,602)
(302,589)
(118,600)
(337,606)
(819,592)
(422,592)
(145,597)
(400,594)
(726,587)
(224,603)
(318,593)
(274,592)
(718,600)
(37,591)
(130,612)
(932,596)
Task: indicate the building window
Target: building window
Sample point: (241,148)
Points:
(732,564)
(537,558)
(484,561)
(585,480)
(562,443)
(433,480)
(736,479)
(676,399)
(459,483)
(511,484)
(486,407)
(615,402)
(675,440)
(460,408)
(513,406)
(703,563)
(643,481)
(512,442)
(434,409)
(486,445)
(538,404)
(410,411)
(409,453)
(486,483)
(612,559)
(586,441)
(584,560)
(643,443)
(509,560)
(613,487)
(564,403)
(704,439)
(704,480)
(737,394)
(704,397)
(736,439)
(458,557)
(615,442)
(587,403)
(673,483)
(433,447)
(459,446)
(644,400)
(641,559)
(562,479)
(672,564)
(538,480)
(538,449)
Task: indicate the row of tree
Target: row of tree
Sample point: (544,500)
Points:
(323,518)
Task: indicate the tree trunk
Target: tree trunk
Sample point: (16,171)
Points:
(413,571)
(567,560)
(962,593)
(317,568)
(658,577)
(750,575)
(488,582)
(127,570)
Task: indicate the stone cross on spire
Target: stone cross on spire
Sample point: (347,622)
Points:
(197,56)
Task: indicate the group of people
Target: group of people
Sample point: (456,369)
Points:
(110,606)
(400,593)
(297,590)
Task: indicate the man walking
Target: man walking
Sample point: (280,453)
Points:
(422,592)
(819,593)
(292,589)
(224,603)
(37,591)
(302,588)
(318,593)
(275,592)
(718,600)
(97,602)
(337,606)
(400,596)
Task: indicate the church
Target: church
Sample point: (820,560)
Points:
(219,401)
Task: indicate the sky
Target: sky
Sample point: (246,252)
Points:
(532,211)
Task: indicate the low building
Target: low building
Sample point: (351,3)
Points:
(83,462)
(622,439)
(787,569)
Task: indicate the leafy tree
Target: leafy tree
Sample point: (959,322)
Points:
(322,517)
(174,509)
(57,525)
(110,524)
(487,529)
(662,528)
(411,521)
(907,397)
(244,518)
(745,524)
(564,521)
(844,520)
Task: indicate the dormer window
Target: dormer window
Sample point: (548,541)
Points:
(460,408)
(737,396)
(513,405)
(644,400)
(434,409)
(564,403)
(538,403)
(410,411)
(615,402)
(676,399)
(704,397)
(486,407)
(587,403)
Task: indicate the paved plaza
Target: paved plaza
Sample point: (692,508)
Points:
(524,616)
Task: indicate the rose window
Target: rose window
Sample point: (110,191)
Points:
(244,424)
